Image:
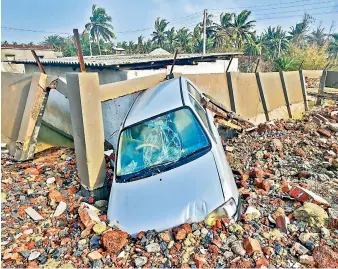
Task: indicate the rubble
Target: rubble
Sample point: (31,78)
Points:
(286,171)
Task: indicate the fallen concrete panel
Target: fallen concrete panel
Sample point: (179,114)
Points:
(122,88)
(293,86)
(215,85)
(246,96)
(332,79)
(14,92)
(87,124)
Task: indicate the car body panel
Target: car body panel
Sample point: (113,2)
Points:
(188,192)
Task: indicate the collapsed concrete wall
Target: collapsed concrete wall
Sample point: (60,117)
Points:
(14,93)
(332,79)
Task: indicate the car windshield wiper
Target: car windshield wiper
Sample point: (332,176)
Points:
(194,152)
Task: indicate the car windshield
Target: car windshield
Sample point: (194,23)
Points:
(160,140)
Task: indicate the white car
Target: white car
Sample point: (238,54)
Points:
(170,166)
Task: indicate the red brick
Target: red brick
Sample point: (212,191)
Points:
(114,241)
(281,224)
(325,257)
(213,249)
(324,132)
(200,261)
(262,261)
(257,172)
(140,235)
(300,152)
(251,245)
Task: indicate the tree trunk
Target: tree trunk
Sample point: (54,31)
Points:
(90,47)
(98,42)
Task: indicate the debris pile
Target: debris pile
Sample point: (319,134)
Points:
(286,172)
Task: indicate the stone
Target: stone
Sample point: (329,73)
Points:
(62,206)
(262,262)
(237,248)
(324,132)
(50,180)
(257,173)
(200,261)
(140,261)
(325,232)
(251,245)
(300,249)
(95,255)
(34,255)
(236,228)
(114,241)
(165,236)
(299,152)
(101,204)
(33,214)
(153,247)
(252,213)
(312,214)
(54,196)
(88,215)
(305,237)
(241,263)
(325,257)
(100,227)
(333,218)
(307,260)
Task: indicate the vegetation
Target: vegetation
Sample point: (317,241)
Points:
(283,49)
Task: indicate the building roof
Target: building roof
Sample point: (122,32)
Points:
(159,51)
(26,47)
(118,49)
(136,61)
(158,99)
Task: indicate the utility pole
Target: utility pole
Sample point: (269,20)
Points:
(204,30)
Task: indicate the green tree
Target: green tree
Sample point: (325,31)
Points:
(254,46)
(242,28)
(54,40)
(224,30)
(317,37)
(5,42)
(276,41)
(333,46)
(148,46)
(183,39)
(171,39)
(99,26)
(284,63)
(131,47)
(140,46)
(159,34)
(298,32)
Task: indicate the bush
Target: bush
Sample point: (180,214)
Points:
(285,63)
(313,57)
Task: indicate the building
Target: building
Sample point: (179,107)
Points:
(120,51)
(11,52)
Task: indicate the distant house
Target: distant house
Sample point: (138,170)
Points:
(10,52)
(121,51)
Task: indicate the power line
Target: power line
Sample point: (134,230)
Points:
(294,16)
(255,14)
(35,31)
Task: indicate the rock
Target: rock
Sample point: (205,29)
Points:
(262,184)
(257,173)
(114,241)
(25,254)
(34,255)
(300,249)
(325,257)
(237,248)
(95,255)
(305,237)
(50,180)
(54,197)
(325,232)
(88,215)
(241,263)
(299,152)
(165,236)
(276,144)
(304,195)
(101,204)
(262,262)
(200,261)
(251,245)
(236,228)
(140,261)
(62,206)
(333,218)
(252,213)
(153,247)
(100,227)
(312,214)
(33,214)
(307,260)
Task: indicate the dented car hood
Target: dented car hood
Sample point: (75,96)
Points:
(183,194)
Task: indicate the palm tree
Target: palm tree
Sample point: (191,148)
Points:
(140,48)
(224,29)
(242,28)
(148,46)
(333,46)
(54,40)
(254,46)
(5,42)
(317,37)
(159,33)
(171,39)
(285,64)
(298,32)
(183,38)
(197,39)
(124,45)
(276,41)
(131,46)
(99,26)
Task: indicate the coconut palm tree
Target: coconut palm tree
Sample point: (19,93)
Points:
(139,46)
(223,30)
(131,47)
(99,26)
(276,41)
(183,39)
(285,63)
(254,46)
(54,40)
(158,34)
(148,45)
(242,28)
(333,46)
(171,39)
(317,37)
(298,32)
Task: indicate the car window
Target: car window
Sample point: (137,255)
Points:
(164,139)
(194,92)
(201,112)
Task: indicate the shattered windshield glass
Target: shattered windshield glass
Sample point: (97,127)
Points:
(161,140)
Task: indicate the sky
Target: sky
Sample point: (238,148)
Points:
(133,18)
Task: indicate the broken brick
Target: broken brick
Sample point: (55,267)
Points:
(251,245)
(114,241)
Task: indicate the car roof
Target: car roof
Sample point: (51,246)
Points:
(156,100)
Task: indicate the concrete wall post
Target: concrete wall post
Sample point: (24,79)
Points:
(87,124)
(31,119)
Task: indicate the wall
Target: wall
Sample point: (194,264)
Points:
(13,68)
(14,92)
(26,54)
(313,73)
(332,79)
(220,66)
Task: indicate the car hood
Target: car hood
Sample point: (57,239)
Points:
(183,194)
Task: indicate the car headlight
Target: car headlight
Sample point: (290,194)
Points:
(227,210)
